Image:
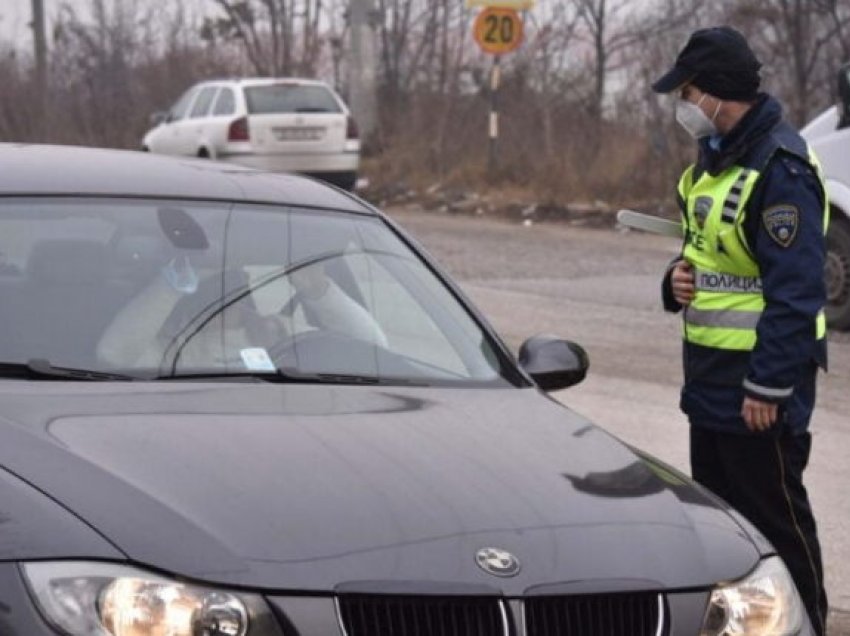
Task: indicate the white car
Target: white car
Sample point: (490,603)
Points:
(276,124)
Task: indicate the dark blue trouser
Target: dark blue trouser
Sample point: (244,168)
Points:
(761,476)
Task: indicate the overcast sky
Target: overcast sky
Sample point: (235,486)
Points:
(15,16)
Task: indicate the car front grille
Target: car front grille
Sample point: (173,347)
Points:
(632,614)
(620,614)
(422,616)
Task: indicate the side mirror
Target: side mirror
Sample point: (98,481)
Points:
(553,363)
(159,117)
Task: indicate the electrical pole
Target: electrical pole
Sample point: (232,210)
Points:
(40,41)
(361,66)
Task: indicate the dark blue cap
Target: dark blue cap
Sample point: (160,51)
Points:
(719,62)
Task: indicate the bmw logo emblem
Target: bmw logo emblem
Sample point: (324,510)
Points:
(497,562)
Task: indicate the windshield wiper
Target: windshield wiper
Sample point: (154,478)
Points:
(289,376)
(342,378)
(42,369)
(265,376)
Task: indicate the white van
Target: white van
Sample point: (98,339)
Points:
(829,136)
(276,124)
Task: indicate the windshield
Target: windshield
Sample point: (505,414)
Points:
(166,289)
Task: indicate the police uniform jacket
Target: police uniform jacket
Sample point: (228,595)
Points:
(782,364)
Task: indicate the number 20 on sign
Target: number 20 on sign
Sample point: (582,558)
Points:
(498,30)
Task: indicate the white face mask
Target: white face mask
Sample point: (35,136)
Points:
(693,120)
(181,275)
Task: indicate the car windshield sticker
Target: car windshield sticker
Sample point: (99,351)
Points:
(781,222)
(257,359)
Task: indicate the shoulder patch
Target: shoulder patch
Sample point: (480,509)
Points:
(781,222)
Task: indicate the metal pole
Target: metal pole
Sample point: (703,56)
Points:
(361,68)
(495,79)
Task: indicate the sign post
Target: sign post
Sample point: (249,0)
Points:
(505,4)
(497,30)
(495,78)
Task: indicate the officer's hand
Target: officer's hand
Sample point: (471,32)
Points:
(759,416)
(682,282)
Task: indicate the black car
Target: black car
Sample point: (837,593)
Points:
(241,404)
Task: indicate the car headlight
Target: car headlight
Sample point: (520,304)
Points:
(103,599)
(764,603)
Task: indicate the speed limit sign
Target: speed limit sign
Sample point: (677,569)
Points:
(498,30)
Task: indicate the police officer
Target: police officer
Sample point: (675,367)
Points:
(751,288)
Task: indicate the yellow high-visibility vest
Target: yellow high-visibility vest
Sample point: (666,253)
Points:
(728,300)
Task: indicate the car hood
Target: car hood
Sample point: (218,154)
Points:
(322,487)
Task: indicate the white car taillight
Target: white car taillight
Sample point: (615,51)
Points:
(238,130)
(352,131)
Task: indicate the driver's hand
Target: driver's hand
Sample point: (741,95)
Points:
(310,281)
(266,331)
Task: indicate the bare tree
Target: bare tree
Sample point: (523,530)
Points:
(617,30)
(547,60)
(398,53)
(108,71)
(279,37)
(793,37)
(40,41)
(838,14)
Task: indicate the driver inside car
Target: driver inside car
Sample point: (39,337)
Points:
(179,315)
(328,307)
(178,320)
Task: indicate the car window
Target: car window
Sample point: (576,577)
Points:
(158,288)
(181,106)
(225,103)
(203,101)
(290,98)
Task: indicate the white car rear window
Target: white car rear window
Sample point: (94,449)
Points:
(290,98)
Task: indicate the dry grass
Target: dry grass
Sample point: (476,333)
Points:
(577,160)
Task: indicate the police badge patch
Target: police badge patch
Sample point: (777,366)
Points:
(702,208)
(781,222)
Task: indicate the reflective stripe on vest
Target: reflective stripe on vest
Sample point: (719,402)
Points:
(728,299)
(733,199)
(727,318)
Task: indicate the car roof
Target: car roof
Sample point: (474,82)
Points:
(266,81)
(47,170)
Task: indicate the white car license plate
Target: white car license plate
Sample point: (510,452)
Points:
(313,133)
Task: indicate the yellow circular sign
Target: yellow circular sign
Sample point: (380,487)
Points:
(498,30)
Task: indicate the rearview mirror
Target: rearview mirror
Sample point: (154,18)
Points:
(158,117)
(553,363)
(182,230)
